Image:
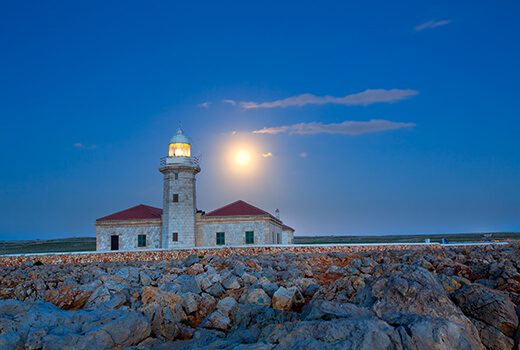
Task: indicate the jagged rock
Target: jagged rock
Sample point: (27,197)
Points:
(145,279)
(206,304)
(43,325)
(492,338)
(163,310)
(217,320)
(328,310)
(488,306)
(231,282)
(189,284)
(189,302)
(98,297)
(227,304)
(427,332)
(129,274)
(363,333)
(248,279)
(216,290)
(413,290)
(258,297)
(191,259)
(283,299)
(249,320)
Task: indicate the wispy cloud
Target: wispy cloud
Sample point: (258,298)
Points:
(230,101)
(432,24)
(205,104)
(347,128)
(363,98)
(80,145)
(265,155)
(303,154)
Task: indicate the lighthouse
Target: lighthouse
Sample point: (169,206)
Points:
(179,195)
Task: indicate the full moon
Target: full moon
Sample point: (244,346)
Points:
(243,158)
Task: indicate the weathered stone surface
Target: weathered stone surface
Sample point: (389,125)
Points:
(216,290)
(217,320)
(386,292)
(227,304)
(231,282)
(43,325)
(427,332)
(189,302)
(283,299)
(413,290)
(328,310)
(492,338)
(258,297)
(488,306)
(364,333)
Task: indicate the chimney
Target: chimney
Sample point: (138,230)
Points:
(277,213)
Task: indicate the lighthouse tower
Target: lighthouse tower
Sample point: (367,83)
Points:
(179,196)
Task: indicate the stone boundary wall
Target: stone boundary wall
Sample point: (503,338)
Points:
(163,254)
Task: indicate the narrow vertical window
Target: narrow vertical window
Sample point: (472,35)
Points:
(176,176)
(175,236)
(221,238)
(175,197)
(250,237)
(141,241)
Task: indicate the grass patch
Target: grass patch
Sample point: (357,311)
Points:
(186,322)
(434,238)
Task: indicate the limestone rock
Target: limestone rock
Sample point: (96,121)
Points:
(492,338)
(217,320)
(488,306)
(231,282)
(413,290)
(363,333)
(427,332)
(258,297)
(328,310)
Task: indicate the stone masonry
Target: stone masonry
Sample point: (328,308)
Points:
(127,233)
(179,216)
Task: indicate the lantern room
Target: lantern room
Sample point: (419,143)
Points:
(179,145)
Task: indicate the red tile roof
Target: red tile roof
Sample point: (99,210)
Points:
(138,212)
(285,227)
(238,208)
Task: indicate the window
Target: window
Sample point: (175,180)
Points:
(175,198)
(175,236)
(278,238)
(141,241)
(250,237)
(176,176)
(221,238)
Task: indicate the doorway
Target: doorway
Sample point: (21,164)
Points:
(114,242)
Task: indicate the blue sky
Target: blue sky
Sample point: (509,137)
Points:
(377,117)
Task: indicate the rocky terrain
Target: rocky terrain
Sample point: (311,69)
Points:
(422,298)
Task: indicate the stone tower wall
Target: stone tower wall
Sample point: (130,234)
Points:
(179,216)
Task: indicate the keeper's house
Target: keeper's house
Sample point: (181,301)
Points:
(179,223)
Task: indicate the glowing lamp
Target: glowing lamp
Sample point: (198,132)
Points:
(179,145)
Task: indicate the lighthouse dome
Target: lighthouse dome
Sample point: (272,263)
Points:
(179,138)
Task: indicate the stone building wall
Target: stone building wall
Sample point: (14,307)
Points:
(287,236)
(234,229)
(127,232)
